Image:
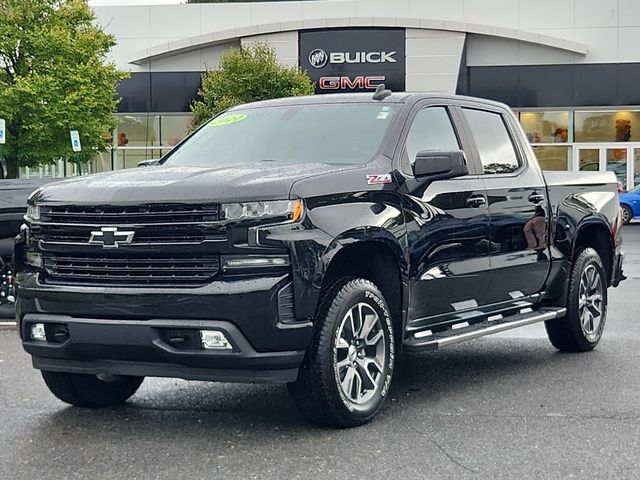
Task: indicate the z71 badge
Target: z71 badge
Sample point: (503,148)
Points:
(379,179)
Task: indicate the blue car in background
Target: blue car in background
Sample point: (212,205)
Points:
(630,203)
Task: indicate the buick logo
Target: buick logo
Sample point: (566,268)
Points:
(318,58)
(111,237)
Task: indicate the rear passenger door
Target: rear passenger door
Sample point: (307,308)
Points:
(516,194)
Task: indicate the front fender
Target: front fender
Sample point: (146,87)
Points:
(345,219)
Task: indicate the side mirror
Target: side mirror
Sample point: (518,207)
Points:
(148,163)
(440,165)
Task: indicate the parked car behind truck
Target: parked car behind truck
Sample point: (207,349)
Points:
(309,241)
(13,206)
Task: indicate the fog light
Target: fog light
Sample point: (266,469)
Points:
(231,263)
(38,333)
(34,259)
(214,339)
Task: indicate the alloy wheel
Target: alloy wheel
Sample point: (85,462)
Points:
(360,354)
(591,304)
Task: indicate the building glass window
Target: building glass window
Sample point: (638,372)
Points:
(546,127)
(622,126)
(552,157)
(174,128)
(130,157)
(495,147)
(137,131)
(636,169)
(589,159)
(617,163)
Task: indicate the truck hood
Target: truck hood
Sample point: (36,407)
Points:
(183,184)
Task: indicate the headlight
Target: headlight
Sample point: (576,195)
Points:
(290,209)
(33,212)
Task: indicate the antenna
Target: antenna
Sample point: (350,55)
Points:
(381,92)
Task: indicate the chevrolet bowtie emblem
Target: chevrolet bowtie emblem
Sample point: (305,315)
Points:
(110,237)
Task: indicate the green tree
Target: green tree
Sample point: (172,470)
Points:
(53,79)
(246,75)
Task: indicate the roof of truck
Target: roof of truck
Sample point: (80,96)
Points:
(394,97)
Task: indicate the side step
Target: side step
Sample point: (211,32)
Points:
(427,340)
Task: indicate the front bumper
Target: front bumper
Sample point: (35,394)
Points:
(127,331)
(143,348)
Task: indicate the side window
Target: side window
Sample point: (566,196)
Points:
(431,130)
(492,138)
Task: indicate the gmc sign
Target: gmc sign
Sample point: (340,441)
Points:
(353,59)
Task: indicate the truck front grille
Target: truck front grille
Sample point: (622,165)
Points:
(115,268)
(147,235)
(164,244)
(161,213)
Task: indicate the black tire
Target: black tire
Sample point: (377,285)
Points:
(318,393)
(89,390)
(568,334)
(627,214)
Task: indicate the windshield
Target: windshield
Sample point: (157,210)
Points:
(328,133)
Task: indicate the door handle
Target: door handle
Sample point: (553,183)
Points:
(536,198)
(476,201)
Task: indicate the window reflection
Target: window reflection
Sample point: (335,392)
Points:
(546,127)
(589,159)
(617,163)
(138,130)
(174,128)
(553,158)
(622,126)
(493,141)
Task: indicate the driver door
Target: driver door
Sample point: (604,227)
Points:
(447,225)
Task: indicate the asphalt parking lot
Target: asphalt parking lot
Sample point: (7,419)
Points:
(508,406)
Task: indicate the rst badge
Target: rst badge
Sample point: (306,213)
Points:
(380,179)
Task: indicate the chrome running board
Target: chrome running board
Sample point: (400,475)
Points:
(427,340)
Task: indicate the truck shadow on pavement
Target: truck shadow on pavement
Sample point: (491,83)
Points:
(481,375)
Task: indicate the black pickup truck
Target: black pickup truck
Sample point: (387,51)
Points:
(309,241)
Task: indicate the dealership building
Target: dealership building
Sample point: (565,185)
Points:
(570,69)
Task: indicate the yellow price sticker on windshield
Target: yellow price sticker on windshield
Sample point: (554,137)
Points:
(227,120)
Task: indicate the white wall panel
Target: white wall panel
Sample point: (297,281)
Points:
(483,50)
(382,8)
(603,44)
(223,16)
(125,22)
(433,60)
(546,14)
(174,21)
(450,9)
(438,83)
(629,13)
(275,12)
(329,9)
(503,13)
(285,45)
(529,54)
(608,27)
(629,44)
(596,13)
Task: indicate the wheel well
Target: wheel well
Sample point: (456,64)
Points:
(598,238)
(372,261)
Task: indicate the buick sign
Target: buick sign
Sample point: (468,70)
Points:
(318,58)
(354,60)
